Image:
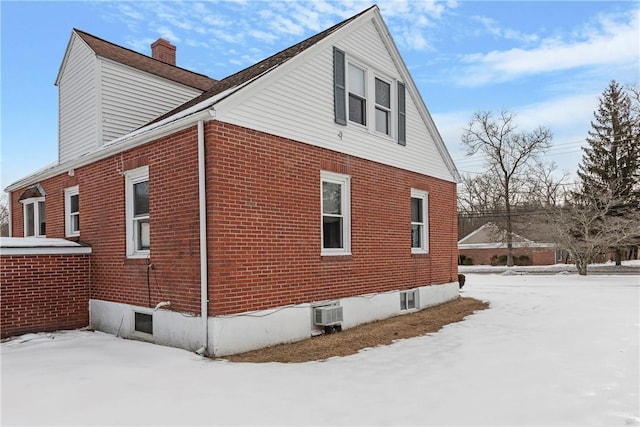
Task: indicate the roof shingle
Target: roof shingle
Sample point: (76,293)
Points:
(145,63)
(261,67)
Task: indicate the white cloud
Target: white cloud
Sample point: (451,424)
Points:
(491,26)
(168,34)
(614,41)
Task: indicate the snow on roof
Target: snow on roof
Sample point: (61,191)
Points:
(40,246)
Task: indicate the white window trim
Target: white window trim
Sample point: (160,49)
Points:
(393,108)
(345,182)
(132,177)
(424,196)
(367,92)
(370,75)
(36,215)
(68,192)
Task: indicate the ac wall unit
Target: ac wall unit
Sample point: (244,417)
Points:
(327,315)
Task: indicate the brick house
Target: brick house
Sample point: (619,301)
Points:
(309,191)
(488,246)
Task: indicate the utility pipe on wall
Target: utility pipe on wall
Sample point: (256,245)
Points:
(204,294)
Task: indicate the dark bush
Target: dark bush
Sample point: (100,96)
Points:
(524,260)
(461,280)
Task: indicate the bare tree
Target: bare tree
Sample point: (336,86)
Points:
(4,216)
(508,153)
(585,228)
(546,188)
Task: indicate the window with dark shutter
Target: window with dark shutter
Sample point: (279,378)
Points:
(339,87)
(402,116)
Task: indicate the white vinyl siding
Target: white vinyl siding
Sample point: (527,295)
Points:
(131,98)
(281,107)
(77,109)
(101,100)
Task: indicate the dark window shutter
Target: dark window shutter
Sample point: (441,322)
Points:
(339,87)
(402,116)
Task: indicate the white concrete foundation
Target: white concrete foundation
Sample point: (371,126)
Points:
(242,332)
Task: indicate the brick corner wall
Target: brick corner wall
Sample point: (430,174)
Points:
(41,293)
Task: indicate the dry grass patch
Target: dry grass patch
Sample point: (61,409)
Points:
(381,332)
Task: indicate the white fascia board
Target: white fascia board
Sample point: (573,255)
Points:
(268,77)
(65,58)
(414,93)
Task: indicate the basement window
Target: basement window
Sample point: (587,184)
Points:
(409,300)
(143,322)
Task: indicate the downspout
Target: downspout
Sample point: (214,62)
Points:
(204,292)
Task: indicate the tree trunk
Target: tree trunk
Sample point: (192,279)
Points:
(618,257)
(507,206)
(581,265)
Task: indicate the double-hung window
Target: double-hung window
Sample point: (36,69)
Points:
(383,106)
(35,220)
(336,217)
(137,212)
(72,211)
(419,222)
(357,95)
(355,83)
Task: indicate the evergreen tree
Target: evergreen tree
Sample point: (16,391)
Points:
(611,162)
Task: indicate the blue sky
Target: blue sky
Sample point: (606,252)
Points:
(546,61)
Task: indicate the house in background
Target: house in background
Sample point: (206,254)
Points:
(488,246)
(309,191)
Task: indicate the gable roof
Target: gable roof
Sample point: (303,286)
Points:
(108,50)
(492,236)
(199,107)
(490,233)
(34,191)
(248,74)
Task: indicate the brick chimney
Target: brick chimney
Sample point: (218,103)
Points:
(163,51)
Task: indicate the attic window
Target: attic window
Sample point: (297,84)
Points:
(357,95)
(354,83)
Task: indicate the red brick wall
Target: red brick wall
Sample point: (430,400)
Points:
(263,201)
(264,224)
(538,256)
(43,293)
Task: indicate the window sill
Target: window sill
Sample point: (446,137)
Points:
(136,260)
(336,257)
(419,254)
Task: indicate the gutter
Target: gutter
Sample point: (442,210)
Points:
(204,275)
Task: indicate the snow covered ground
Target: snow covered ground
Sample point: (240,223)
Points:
(551,350)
